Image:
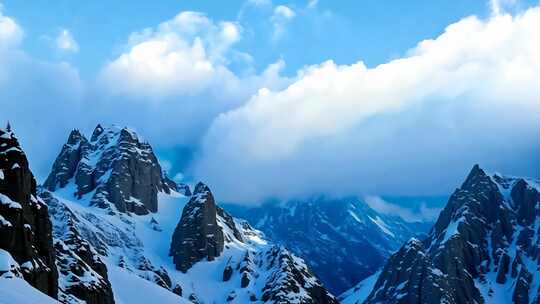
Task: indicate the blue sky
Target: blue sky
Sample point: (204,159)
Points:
(345,31)
(265,99)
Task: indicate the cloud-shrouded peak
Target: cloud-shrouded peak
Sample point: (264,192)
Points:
(65,42)
(11,33)
(411,124)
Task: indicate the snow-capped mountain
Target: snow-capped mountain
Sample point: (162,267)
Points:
(484,248)
(124,233)
(330,233)
(121,172)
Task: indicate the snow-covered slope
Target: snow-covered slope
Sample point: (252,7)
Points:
(342,240)
(13,288)
(104,248)
(484,248)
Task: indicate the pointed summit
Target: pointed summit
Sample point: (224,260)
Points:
(197,235)
(475,175)
(97,132)
(8,127)
(201,188)
(75,137)
(123,173)
(482,242)
(66,164)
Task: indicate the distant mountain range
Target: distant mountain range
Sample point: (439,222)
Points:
(330,233)
(109,226)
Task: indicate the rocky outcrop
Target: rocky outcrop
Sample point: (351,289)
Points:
(483,248)
(197,236)
(25,228)
(120,170)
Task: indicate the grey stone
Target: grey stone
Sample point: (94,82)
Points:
(198,235)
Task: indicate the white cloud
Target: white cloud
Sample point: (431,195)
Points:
(185,55)
(170,83)
(280,18)
(415,123)
(259,3)
(65,42)
(312,3)
(498,6)
(282,11)
(423,213)
(11,33)
(43,101)
(175,79)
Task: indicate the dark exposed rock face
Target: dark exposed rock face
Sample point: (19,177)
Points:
(198,235)
(292,277)
(122,170)
(484,247)
(329,234)
(25,228)
(83,274)
(227,273)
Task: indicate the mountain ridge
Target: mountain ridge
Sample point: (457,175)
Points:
(101,246)
(483,248)
(329,232)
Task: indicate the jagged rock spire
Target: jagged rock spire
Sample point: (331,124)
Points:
(97,132)
(197,235)
(124,172)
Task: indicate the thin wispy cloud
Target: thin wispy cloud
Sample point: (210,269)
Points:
(280,19)
(65,42)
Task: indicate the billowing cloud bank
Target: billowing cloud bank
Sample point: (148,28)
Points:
(411,126)
(169,83)
(414,125)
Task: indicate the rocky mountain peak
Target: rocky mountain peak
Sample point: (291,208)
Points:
(201,189)
(97,132)
(75,137)
(197,235)
(479,181)
(25,228)
(484,246)
(122,172)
